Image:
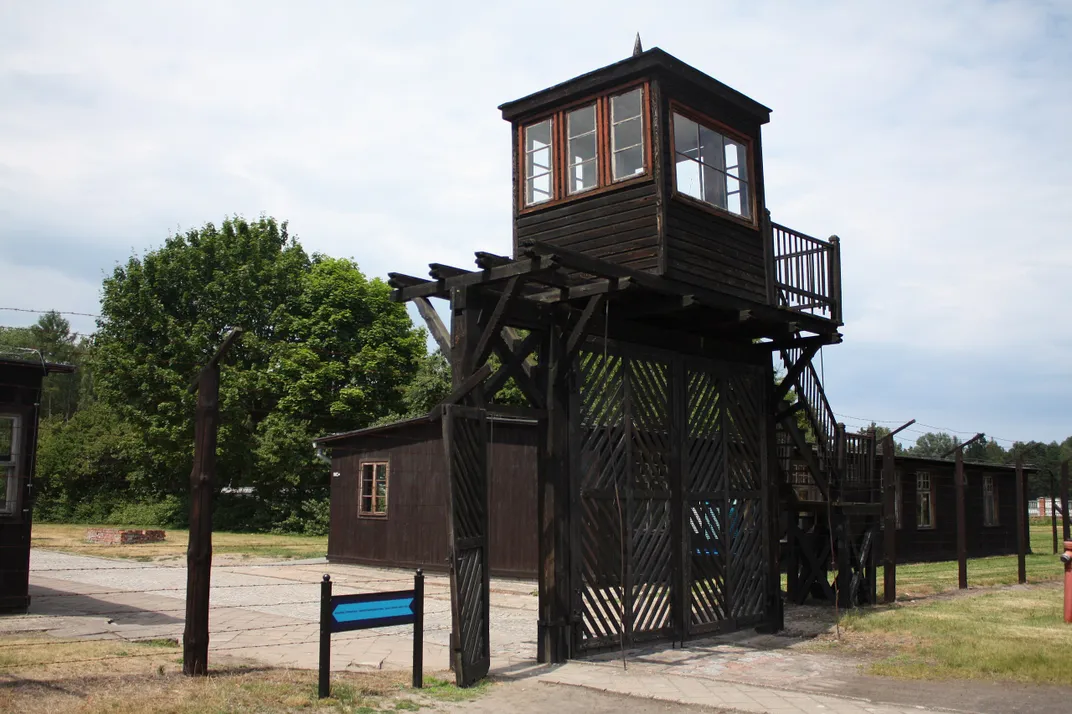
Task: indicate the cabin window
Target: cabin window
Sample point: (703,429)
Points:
(627,134)
(9,462)
(373,489)
(583,150)
(924,501)
(711,167)
(990,501)
(538,154)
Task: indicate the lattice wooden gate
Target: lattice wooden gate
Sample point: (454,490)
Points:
(723,494)
(669,515)
(465,437)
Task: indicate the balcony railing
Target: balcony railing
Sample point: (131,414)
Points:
(807,273)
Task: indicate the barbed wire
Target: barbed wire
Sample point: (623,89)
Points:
(170,650)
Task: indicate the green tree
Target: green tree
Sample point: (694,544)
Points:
(52,340)
(933,445)
(325,350)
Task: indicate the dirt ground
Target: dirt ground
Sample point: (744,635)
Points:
(523,697)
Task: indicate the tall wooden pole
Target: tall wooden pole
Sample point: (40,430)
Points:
(199,552)
(1064,500)
(1053,511)
(202,481)
(1021,524)
(962,532)
(889,544)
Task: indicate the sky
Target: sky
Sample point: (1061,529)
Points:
(932,137)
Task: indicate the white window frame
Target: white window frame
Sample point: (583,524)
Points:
(743,167)
(571,190)
(925,485)
(614,148)
(12,469)
(531,172)
(377,510)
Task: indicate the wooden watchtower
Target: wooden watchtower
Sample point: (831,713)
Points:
(646,306)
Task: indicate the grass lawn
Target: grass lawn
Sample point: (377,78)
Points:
(922,579)
(1011,634)
(40,674)
(71,538)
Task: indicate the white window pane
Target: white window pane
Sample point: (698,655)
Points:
(582,149)
(745,209)
(711,151)
(538,136)
(733,203)
(582,121)
(582,176)
(629,162)
(732,157)
(625,106)
(627,134)
(686,137)
(688,178)
(539,161)
(714,187)
(538,189)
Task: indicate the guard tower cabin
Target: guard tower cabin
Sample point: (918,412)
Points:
(654,166)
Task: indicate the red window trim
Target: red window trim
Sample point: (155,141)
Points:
(749,144)
(559,160)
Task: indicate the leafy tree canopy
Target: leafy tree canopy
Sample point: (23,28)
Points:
(324,350)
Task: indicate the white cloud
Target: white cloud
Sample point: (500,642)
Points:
(932,136)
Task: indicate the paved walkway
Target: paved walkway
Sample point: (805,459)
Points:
(268,612)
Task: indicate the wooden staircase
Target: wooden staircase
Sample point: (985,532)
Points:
(829,526)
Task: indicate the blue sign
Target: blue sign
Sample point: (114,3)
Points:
(359,612)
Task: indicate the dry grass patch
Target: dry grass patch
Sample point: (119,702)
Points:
(1010,634)
(39,675)
(71,538)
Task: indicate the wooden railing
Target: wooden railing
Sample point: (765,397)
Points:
(858,474)
(807,273)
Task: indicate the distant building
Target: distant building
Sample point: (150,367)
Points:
(20,401)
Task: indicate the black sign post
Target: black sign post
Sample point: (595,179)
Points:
(343,613)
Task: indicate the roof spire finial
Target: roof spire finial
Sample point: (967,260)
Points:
(637,47)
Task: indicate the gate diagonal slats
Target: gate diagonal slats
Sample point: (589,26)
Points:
(746,559)
(466,442)
(624,495)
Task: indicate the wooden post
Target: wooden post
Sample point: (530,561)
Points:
(324,678)
(199,550)
(1053,511)
(202,481)
(889,540)
(553,507)
(418,629)
(1064,500)
(1021,522)
(962,530)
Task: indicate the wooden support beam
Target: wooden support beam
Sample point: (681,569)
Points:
(808,456)
(486,261)
(493,327)
(401,280)
(794,372)
(435,325)
(889,515)
(1021,524)
(462,279)
(962,528)
(580,330)
(582,290)
(467,386)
